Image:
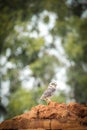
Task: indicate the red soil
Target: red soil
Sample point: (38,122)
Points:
(53,116)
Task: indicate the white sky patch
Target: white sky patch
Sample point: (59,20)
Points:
(25,74)
(5,88)
(43,29)
(33,34)
(60,52)
(3,60)
(10,65)
(48,38)
(52,17)
(28,84)
(61,77)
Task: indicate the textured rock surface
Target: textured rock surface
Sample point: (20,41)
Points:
(53,116)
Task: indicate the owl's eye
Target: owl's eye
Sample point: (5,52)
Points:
(53,84)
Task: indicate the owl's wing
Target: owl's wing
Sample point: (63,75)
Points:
(48,93)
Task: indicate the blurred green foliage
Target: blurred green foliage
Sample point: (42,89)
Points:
(75,46)
(20,102)
(21,49)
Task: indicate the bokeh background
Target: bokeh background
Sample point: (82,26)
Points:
(41,40)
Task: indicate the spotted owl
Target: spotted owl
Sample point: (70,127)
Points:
(49,91)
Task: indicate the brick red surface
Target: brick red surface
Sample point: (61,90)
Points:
(72,116)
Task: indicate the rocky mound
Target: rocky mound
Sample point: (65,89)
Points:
(53,116)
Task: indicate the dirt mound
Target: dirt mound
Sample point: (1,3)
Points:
(53,116)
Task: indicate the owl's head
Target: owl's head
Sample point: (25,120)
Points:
(53,83)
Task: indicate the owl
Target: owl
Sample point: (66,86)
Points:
(49,92)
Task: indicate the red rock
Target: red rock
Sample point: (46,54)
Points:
(52,116)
